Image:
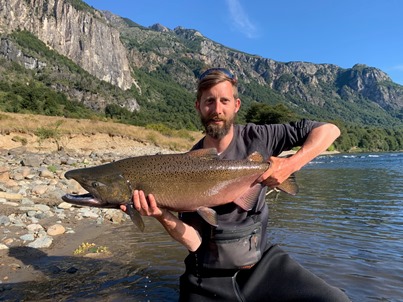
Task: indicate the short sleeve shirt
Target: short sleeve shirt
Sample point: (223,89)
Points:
(268,140)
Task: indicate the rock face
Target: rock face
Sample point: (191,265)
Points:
(79,33)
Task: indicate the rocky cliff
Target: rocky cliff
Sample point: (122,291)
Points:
(83,35)
(151,60)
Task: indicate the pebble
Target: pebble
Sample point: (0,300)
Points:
(41,242)
(56,229)
(3,246)
(31,186)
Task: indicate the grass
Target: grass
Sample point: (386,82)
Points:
(60,128)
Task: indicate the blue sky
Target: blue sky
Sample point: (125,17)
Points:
(340,32)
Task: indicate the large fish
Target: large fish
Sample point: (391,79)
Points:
(192,181)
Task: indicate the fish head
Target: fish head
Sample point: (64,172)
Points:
(106,186)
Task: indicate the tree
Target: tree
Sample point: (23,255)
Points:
(265,114)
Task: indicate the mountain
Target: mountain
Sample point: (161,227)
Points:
(110,64)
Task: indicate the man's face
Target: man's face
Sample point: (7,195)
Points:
(217,108)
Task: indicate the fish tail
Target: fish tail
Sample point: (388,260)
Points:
(135,216)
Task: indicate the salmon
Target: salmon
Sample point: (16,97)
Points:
(193,181)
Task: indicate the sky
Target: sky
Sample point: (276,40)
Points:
(340,32)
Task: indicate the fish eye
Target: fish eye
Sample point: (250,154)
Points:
(95,184)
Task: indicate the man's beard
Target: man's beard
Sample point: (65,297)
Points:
(217,131)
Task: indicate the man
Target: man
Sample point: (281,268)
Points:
(233,262)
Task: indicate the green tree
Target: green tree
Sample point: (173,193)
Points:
(265,114)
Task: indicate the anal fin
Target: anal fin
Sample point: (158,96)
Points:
(248,200)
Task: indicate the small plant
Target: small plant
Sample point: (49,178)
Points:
(86,248)
(44,133)
(52,168)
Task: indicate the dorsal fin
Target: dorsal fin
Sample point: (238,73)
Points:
(255,157)
(210,153)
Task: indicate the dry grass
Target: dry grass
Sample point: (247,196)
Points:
(25,128)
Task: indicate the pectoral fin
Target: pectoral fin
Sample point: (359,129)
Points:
(209,215)
(135,216)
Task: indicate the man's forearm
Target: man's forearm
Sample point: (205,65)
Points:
(180,231)
(318,141)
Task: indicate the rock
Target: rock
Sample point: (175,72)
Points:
(46,174)
(116,216)
(11,196)
(3,246)
(4,220)
(39,189)
(56,229)
(11,183)
(26,202)
(32,161)
(88,213)
(31,213)
(42,207)
(34,227)
(4,173)
(8,241)
(17,176)
(10,203)
(64,205)
(27,237)
(42,242)
(25,171)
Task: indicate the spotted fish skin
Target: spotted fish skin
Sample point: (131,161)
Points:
(192,181)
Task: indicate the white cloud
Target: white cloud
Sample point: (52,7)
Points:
(240,19)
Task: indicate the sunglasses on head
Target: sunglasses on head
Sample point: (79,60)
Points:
(211,70)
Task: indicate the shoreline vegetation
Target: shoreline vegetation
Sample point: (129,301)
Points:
(39,133)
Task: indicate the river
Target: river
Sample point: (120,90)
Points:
(345,225)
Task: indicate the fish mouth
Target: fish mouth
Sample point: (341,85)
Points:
(87,200)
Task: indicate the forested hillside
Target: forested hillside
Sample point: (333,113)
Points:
(57,67)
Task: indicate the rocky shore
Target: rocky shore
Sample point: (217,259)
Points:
(32,213)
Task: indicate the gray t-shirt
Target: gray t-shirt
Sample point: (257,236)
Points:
(268,140)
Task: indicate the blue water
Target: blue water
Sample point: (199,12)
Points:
(345,225)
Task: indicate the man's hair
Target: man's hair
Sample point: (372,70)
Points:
(214,76)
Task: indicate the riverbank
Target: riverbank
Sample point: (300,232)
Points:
(34,222)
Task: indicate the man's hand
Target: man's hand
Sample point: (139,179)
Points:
(318,140)
(146,206)
(280,169)
(178,230)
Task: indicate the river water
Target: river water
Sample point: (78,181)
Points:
(345,225)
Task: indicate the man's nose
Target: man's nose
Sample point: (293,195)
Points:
(217,108)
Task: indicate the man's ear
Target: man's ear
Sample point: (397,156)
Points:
(197,105)
(237,105)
